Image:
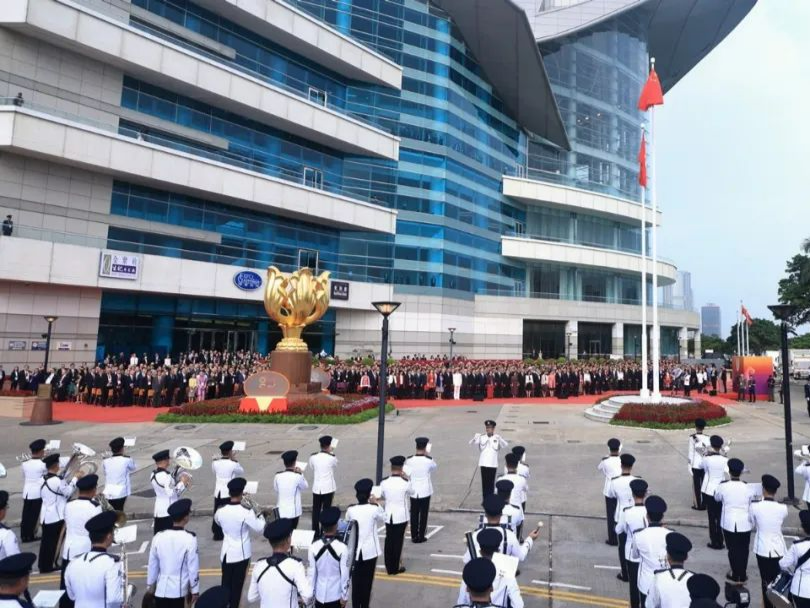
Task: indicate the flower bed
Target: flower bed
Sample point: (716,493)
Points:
(666,416)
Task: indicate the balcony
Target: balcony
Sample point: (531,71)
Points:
(582,255)
(65,139)
(192,71)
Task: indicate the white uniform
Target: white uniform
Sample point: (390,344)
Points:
(323,466)
(524,471)
(803,470)
(510,544)
(224,470)
(236,522)
(512,516)
(488,448)
(505,591)
(634,520)
(669,589)
(397,492)
(77,539)
(55,494)
(419,469)
(289,485)
(8,542)
(95,580)
(174,564)
(800,586)
(651,546)
(736,497)
(716,467)
(166,491)
(33,471)
(368,518)
(620,490)
(279,584)
(117,470)
(610,467)
(697,443)
(520,491)
(329,572)
(767,517)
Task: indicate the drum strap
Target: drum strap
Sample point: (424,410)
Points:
(327,547)
(802,559)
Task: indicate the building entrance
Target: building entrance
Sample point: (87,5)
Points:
(544,339)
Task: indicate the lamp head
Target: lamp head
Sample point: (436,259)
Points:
(386,308)
(51,318)
(783,312)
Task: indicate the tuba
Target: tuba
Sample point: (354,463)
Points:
(79,463)
(185,459)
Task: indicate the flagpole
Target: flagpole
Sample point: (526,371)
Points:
(656,337)
(645,390)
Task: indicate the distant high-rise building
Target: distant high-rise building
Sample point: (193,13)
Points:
(681,295)
(710,323)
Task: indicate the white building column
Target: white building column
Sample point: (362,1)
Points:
(683,342)
(572,339)
(618,340)
(698,345)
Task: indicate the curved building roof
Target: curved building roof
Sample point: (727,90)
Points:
(681,32)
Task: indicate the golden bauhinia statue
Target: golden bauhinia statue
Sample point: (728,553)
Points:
(295,301)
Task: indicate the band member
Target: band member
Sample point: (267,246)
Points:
(651,545)
(174,562)
(117,471)
(225,469)
(610,466)
(8,542)
(698,443)
(33,471)
(505,590)
(715,465)
(523,470)
(493,510)
(803,470)
(478,577)
(289,484)
(512,515)
(703,587)
(329,564)
(669,586)
(368,515)
(77,513)
(167,491)
(323,465)
(767,516)
(419,469)
(279,580)
(620,490)
(55,494)
(236,521)
(396,491)
(519,485)
(488,444)
(633,519)
(14,572)
(735,497)
(95,578)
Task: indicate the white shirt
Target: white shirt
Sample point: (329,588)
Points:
(236,522)
(669,589)
(268,584)
(8,542)
(767,517)
(697,442)
(174,564)
(512,516)
(323,465)
(488,448)
(716,467)
(289,485)
(520,491)
(55,494)
(651,547)
(419,469)
(634,520)
(800,586)
(505,591)
(224,470)
(397,492)
(523,470)
(736,497)
(620,490)
(117,470)
(329,572)
(33,471)
(509,546)
(368,517)
(802,470)
(77,539)
(166,492)
(95,580)
(610,467)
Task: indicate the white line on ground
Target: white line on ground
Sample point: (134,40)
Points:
(566,585)
(606,567)
(438,571)
(434,531)
(447,556)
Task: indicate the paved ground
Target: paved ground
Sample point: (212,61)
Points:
(563,449)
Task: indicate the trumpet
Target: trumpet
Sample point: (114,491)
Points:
(79,465)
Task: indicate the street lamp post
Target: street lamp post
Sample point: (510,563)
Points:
(452,330)
(385,309)
(50,319)
(42,412)
(568,346)
(783,313)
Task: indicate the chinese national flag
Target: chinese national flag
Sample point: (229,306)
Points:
(748,320)
(642,162)
(651,94)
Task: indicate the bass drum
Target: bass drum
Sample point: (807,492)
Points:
(347,534)
(778,592)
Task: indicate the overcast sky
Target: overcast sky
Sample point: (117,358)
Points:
(733,171)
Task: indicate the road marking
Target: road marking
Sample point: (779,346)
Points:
(566,585)
(447,556)
(434,531)
(437,571)
(607,567)
(144,545)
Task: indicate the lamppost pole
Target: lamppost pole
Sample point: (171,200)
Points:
(452,341)
(783,313)
(385,309)
(50,321)
(568,346)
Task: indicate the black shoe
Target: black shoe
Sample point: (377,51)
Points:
(622,577)
(612,543)
(401,570)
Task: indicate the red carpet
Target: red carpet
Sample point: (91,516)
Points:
(93,413)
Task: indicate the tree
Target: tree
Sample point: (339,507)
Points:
(718,345)
(795,288)
(764,335)
(802,341)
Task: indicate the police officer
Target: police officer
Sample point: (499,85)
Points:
(620,490)
(512,514)
(651,545)
(323,464)
(167,492)
(519,484)
(767,516)
(55,494)
(698,443)
(669,588)
(289,484)
(633,519)
(610,466)
(117,471)
(803,470)
(368,515)
(419,468)
(735,498)
(95,578)
(478,577)
(523,470)
(14,573)
(493,510)
(329,564)
(236,521)
(715,465)
(225,469)
(396,492)
(505,590)
(797,561)
(279,580)
(174,562)
(77,513)
(8,542)
(33,470)
(488,444)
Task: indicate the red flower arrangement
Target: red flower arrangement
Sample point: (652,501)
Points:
(670,414)
(306,407)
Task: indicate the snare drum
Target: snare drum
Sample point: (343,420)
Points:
(778,592)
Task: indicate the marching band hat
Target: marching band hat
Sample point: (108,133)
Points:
(511,459)
(236,486)
(289,457)
(162,455)
(88,482)
(397,461)
(770,483)
(325,441)
(103,522)
(493,505)
(363,486)
(716,441)
(330,516)
(504,486)
(489,539)
(655,505)
(735,466)
(702,586)
(215,597)
(50,460)
(518,451)
(278,530)
(478,575)
(37,445)
(614,444)
(421,442)
(804,518)
(628,460)
(639,487)
(226,446)
(489,423)
(17,566)
(700,423)
(704,602)
(3,499)
(678,546)
(179,509)
(116,444)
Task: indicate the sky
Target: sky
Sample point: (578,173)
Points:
(732,161)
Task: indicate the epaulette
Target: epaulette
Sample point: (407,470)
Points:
(617,476)
(313,453)
(386,477)
(638,530)
(725,480)
(189,532)
(626,508)
(245,507)
(661,570)
(426,456)
(605,457)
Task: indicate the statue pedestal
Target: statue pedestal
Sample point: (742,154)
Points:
(296,366)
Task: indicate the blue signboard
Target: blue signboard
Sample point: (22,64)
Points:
(247,280)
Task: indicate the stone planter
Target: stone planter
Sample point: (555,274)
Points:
(17,407)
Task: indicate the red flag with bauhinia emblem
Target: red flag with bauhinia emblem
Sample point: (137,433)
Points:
(651,94)
(748,320)
(642,162)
